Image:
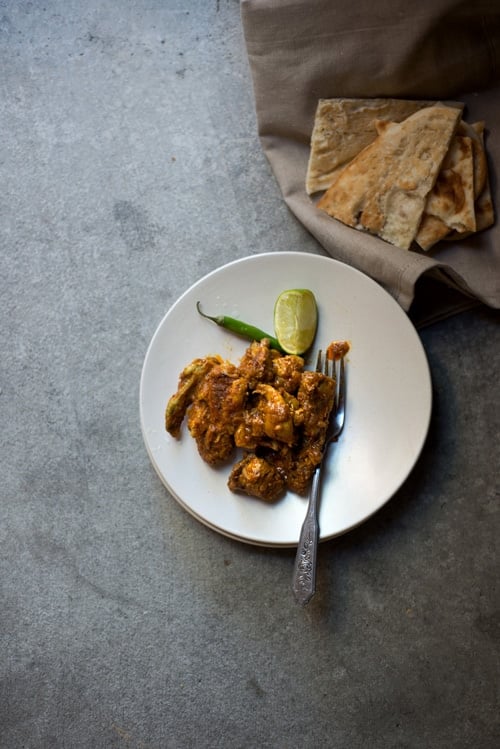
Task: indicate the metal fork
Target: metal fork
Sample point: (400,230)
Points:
(304,573)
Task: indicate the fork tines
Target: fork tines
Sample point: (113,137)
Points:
(329,368)
(325,367)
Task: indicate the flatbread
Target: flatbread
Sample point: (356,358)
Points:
(483,205)
(343,127)
(450,203)
(485,214)
(383,190)
(431,230)
(475,133)
(452,197)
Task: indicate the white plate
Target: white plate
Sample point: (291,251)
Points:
(388,400)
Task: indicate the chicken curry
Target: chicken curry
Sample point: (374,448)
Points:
(268,406)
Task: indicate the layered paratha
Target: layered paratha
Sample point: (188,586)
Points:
(343,127)
(483,205)
(450,203)
(383,190)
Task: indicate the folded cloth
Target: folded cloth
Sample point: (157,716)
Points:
(300,51)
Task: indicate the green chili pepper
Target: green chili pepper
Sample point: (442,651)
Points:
(241,328)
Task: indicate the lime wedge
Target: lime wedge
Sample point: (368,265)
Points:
(295,320)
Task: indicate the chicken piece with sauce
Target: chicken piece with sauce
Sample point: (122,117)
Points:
(268,406)
(257,477)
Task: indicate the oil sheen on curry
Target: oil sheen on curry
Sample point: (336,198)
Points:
(268,412)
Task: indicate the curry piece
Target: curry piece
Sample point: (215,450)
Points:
(189,380)
(217,409)
(257,477)
(268,406)
(337,350)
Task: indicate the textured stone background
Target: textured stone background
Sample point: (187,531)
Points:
(130,167)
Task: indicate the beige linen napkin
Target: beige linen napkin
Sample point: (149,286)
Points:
(302,50)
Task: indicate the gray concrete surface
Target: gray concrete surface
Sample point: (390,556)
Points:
(130,167)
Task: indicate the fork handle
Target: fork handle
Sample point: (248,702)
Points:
(304,571)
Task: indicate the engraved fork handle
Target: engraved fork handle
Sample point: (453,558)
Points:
(304,571)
